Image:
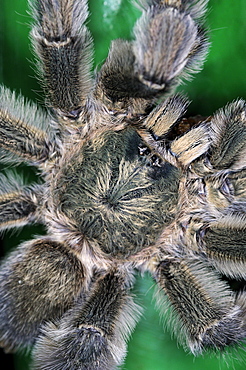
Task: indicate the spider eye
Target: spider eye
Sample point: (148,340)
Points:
(156,160)
(143,150)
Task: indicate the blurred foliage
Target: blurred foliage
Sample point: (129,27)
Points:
(223,79)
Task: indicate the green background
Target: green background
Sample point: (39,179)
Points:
(223,79)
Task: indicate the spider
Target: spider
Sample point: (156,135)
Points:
(124,188)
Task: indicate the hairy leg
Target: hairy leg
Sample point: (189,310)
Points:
(169,45)
(19,205)
(26,136)
(222,215)
(205,311)
(208,313)
(92,335)
(38,282)
(228,134)
(157,132)
(63,46)
(224,243)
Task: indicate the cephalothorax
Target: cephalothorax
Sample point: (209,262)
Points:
(123,190)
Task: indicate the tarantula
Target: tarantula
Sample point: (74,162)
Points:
(123,189)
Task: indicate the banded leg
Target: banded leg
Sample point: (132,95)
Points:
(206,312)
(90,336)
(25,135)
(227,149)
(223,236)
(169,44)
(63,46)
(228,134)
(17,209)
(19,204)
(157,128)
(38,282)
(224,242)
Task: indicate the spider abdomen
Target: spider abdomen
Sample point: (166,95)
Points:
(114,196)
